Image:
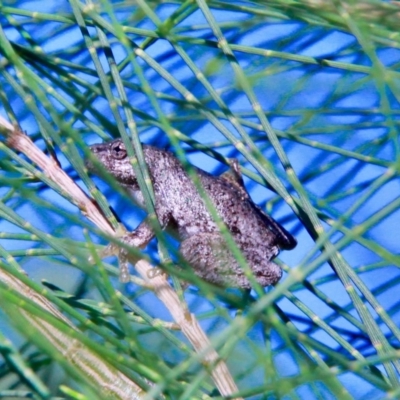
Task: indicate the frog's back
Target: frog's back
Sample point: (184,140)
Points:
(244,219)
(248,224)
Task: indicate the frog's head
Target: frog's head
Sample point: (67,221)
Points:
(114,159)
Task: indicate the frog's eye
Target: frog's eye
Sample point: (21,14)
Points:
(118,150)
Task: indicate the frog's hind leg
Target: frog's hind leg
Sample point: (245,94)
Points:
(211,259)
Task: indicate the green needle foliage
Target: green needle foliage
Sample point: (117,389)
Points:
(305,94)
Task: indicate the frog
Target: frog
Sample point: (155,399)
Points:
(179,204)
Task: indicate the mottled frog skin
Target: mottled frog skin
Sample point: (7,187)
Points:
(178,203)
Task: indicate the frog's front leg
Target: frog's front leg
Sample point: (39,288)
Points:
(138,238)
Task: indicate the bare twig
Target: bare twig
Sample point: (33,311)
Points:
(112,382)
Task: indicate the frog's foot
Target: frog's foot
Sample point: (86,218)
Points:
(133,239)
(113,249)
(122,256)
(156,271)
